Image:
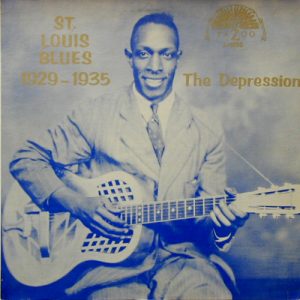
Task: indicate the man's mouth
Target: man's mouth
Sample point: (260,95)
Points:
(154,82)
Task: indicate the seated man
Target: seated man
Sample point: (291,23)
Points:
(176,152)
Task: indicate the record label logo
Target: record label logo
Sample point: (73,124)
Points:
(235,26)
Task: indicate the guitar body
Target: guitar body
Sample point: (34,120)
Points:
(40,248)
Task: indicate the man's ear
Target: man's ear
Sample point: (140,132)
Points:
(179,53)
(128,55)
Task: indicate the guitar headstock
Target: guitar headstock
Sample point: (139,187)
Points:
(276,201)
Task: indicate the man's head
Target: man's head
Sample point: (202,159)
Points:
(154,55)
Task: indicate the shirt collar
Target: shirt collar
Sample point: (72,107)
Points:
(164,107)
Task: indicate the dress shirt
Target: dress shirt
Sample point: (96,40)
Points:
(164,108)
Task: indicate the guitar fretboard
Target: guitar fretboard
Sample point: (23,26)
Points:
(155,212)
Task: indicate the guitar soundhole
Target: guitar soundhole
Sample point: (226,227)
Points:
(116,191)
(97,243)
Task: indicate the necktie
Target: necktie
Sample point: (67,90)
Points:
(155,133)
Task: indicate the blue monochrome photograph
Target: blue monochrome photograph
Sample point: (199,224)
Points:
(150,150)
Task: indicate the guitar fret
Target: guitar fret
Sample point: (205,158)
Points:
(124,215)
(181,209)
(194,208)
(189,208)
(128,214)
(133,208)
(146,213)
(214,203)
(173,210)
(207,205)
(158,212)
(165,211)
(151,213)
(198,208)
(139,214)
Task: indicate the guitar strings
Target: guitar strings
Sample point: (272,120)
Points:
(206,201)
(166,213)
(137,214)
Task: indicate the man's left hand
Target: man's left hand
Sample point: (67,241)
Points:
(227,219)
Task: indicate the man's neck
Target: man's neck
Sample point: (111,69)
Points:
(167,97)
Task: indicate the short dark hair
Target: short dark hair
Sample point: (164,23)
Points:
(156,18)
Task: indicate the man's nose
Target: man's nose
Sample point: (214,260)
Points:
(155,63)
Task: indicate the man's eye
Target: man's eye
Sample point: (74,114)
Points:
(168,55)
(143,54)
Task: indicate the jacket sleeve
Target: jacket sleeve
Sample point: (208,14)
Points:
(212,175)
(35,165)
(212,179)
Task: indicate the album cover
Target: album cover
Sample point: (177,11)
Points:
(150,149)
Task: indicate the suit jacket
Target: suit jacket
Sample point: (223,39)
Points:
(108,134)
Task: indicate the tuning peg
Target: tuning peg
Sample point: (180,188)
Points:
(262,215)
(276,216)
(290,216)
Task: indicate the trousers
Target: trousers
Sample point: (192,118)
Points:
(173,277)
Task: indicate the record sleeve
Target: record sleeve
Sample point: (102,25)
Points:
(240,63)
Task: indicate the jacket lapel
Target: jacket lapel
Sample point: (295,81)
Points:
(134,136)
(180,140)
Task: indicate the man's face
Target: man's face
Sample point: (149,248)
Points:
(154,60)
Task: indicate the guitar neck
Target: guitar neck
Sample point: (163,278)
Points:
(269,201)
(148,213)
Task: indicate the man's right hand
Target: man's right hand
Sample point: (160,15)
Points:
(96,213)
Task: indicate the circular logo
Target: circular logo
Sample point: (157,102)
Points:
(235,25)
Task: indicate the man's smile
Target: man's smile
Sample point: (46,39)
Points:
(153,82)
